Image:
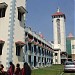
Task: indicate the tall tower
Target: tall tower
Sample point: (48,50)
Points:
(59,30)
(12,32)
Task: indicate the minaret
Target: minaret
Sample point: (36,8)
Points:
(12,32)
(59,30)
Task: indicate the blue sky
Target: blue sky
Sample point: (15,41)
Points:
(39,15)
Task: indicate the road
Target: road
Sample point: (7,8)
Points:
(69,74)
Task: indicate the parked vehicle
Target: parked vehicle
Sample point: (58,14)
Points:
(69,66)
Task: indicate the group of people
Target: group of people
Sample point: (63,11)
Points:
(26,70)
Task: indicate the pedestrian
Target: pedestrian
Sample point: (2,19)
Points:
(1,70)
(17,70)
(26,70)
(23,70)
(11,69)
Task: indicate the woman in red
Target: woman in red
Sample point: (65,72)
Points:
(26,70)
(18,70)
(23,70)
(1,70)
(11,69)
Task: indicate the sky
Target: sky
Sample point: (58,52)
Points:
(39,16)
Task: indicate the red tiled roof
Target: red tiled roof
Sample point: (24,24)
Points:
(57,14)
(70,35)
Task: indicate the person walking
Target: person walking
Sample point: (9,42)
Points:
(17,70)
(11,69)
(26,70)
(23,70)
(1,70)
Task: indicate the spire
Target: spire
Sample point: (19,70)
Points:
(58,9)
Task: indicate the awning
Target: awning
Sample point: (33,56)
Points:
(35,43)
(40,45)
(3,5)
(1,41)
(20,43)
(22,9)
(30,40)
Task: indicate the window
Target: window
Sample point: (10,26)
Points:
(19,45)
(73,46)
(21,11)
(58,31)
(20,16)
(18,49)
(69,56)
(3,7)
(29,45)
(42,59)
(55,54)
(26,33)
(34,48)
(1,46)
(2,12)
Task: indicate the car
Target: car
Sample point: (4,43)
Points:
(69,66)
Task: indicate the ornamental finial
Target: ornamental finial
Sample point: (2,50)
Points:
(58,9)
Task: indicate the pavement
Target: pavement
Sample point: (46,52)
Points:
(67,73)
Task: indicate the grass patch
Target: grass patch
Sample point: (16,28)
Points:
(53,70)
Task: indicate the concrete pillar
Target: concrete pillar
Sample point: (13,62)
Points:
(53,58)
(59,59)
(37,57)
(32,60)
(27,53)
(41,57)
(37,64)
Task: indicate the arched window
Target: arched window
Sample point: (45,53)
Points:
(58,21)
(58,31)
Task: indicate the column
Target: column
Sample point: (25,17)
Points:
(54,58)
(41,56)
(37,57)
(26,56)
(32,57)
(59,59)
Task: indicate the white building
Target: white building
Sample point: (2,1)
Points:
(59,36)
(73,48)
(38,51)
(12,32)
(14,46)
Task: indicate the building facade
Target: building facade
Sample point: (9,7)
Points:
(17,43)
(58,20)
(70,46)
(73,49)
(12,32)
(38,51)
